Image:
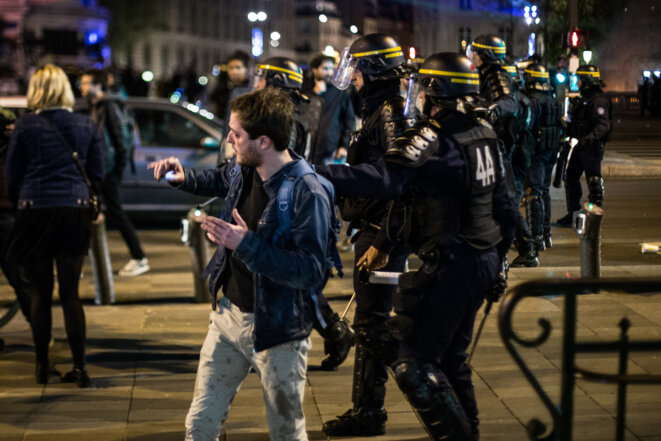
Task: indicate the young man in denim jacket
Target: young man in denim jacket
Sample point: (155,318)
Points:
(266,314)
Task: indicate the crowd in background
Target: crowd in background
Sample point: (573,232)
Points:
(649,94)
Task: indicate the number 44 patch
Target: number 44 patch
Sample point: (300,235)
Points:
(485,170)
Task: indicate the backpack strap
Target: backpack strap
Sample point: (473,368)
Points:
(285,197)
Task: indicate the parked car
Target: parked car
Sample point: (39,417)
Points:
(165,129)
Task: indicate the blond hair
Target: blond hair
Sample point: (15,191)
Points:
(49,87)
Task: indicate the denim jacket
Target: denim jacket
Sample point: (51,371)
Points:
(40,169)
(285,272)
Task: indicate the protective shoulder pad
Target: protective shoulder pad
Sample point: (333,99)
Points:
(392,109)
(499,83)
(392,121)
(415,146)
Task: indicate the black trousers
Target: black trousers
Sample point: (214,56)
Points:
(375,301)
(584,159)
(117,217)
(443,329)
(539,177)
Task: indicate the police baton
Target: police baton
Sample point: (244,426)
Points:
(487,310)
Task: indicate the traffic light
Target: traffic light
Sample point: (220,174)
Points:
(577,38)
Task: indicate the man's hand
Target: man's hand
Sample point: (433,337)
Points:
(223,233)
(319,87)
(166,165)
(372,260)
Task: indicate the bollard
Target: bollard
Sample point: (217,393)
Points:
(100,259)
(587,224)
(193,236)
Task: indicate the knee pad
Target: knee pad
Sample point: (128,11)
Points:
(596,190)
(434,400)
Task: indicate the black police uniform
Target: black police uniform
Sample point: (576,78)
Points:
(547,128)
(381,127)
(590,123)
(460,221)
(496,86)
(379,59)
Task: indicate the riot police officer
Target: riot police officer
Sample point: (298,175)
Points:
(547,128)
(455,212)
(373,64)
(589,126)
(508,117)
(283,73)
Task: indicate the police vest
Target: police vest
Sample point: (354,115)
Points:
(550,122)
(440,221)
(378,134)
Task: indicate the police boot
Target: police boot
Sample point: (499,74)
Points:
(534,216)
(547,236)
(434,401)
(527,256)
(338,340)
(367,417)
(596,190)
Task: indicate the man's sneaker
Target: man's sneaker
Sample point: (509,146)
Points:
(135,267)
(362,422)
(564,222)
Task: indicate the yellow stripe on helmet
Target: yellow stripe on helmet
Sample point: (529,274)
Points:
(464,81)
(395,54)
(510,69)
(445,73)
(281,69)
(377,52)
(536,74)
(496,49)
(585,72)
(297,79)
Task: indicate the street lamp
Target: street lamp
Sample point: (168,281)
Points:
(323,18)
(587,56)
(353,29)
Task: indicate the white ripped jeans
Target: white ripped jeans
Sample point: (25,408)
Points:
(226,358)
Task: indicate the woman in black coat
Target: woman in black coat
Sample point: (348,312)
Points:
(53,217)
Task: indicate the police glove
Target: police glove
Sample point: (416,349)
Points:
(493,113)
(500,285)
(573,142)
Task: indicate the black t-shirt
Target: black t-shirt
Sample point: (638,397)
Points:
(238,287)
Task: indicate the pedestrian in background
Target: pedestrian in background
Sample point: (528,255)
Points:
(109,113)
(338,118)
(53,217)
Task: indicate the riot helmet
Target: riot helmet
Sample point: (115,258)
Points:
(589,76)
(444,77)
(376,55)
(490,49)
(536,77)
(280,72)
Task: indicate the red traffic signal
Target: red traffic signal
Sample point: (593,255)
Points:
(577,38)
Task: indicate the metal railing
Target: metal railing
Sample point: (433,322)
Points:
(570,289)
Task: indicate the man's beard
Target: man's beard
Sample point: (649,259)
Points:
(250,158)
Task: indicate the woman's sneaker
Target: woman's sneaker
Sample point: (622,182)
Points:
(135,267)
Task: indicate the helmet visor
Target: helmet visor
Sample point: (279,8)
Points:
(258,80)
(345,70)
(413,106)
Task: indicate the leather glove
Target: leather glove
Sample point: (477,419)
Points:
(500,285)
(493,113)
